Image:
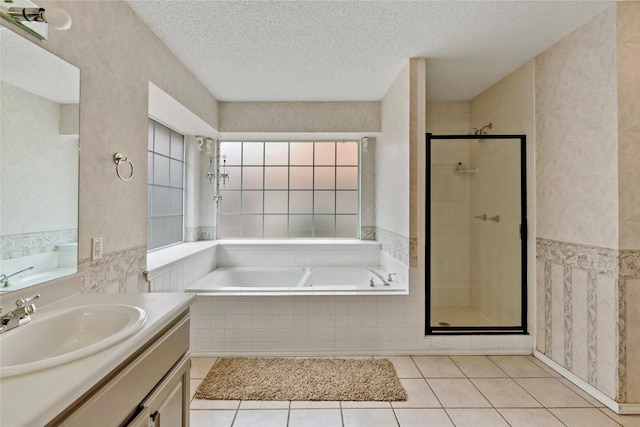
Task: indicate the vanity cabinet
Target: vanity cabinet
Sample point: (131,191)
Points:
(149,389)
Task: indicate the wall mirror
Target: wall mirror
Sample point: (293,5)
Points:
(39,110)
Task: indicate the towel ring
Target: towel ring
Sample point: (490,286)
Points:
(119,158)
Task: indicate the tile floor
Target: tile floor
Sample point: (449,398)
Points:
(478,391)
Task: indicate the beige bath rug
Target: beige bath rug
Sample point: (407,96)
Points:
(301,379)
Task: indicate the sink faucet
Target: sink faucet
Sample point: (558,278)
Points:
(4,279)
(19,316)
(384,282)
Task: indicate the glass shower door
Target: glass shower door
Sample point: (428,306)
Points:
(476,234)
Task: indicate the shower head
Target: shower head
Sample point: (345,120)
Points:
(481,131)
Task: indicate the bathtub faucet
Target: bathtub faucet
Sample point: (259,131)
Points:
(4,279)
(377,274)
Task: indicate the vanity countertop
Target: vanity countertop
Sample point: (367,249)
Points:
(36,398)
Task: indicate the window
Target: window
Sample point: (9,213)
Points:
(290,190)
(165,209)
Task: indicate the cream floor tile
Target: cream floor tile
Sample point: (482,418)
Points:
(583,417)
(478,367)
(457,393)
(519,366)
(423,418)
(264,404)
(419,395)
(586,396)
(437,367)
(467,417)
(530,418)
(193,386)
(404,366)
(315,418)
(316,404)
(261,418)
(211,418)
(624,420)
(505,393)
(369,418)
(552,393)
(214,404)
(200,366)
(364,404)
(544,367)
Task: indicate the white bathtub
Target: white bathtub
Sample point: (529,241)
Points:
(296,280)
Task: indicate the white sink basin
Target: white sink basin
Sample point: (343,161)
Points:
(62,336)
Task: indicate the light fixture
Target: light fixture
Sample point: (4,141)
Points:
(33,18)
(54,16)
(224,172)
(211,173)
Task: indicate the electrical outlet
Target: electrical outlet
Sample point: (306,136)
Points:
(96,248)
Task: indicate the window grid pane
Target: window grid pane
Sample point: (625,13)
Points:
(165,207)
(290,190)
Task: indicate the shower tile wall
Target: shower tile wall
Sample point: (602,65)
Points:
(450,196)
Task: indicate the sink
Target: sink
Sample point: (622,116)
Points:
(61,336)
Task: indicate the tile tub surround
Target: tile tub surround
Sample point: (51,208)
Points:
(587,295)
(446,390)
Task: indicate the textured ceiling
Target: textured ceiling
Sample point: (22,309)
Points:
(353,50)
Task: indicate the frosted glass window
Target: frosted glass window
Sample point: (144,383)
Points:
(347,153)
(252,178)
(325,153)
(230,202)
(252,153)
(252,226)
(290,190)
(276,153)
(235,178)
(276,178)
(301,178)
(347,178)
(162,140)
(233,151)
(347,202)
(160,201)
(324,177)
(230,226)
(175,201)
(324,202)
(276,202)
(165,177)
(176,172)
(301,153)
(160,170)
(301,202)
(323,225)
(275,225)
(252,202)
(300,226)
(346,225)
(177,145)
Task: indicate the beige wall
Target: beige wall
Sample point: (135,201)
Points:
(117,56)
(587,202)
(299,116)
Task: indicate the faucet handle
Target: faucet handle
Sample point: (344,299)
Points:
(390,277)
(22,301)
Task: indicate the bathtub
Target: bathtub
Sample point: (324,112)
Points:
(350,280)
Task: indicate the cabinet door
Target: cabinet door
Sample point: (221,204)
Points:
(142,419)
(169,403)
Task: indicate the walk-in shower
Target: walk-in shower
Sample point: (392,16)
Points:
(476,233)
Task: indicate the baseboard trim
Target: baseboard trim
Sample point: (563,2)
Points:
(618,408)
